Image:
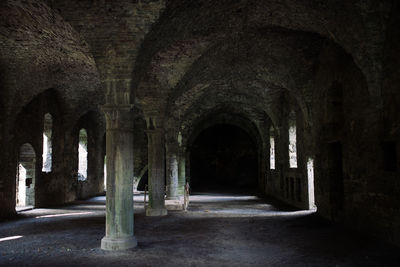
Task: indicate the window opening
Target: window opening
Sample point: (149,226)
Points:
(83,154)
(292,141)
(271,149)
(47,143)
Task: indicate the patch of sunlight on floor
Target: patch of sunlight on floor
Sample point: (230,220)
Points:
(218,198)
(64,214)
(10,238)
(23,208)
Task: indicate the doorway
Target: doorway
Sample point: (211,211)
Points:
(26,172)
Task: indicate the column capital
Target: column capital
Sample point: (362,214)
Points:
(118,91)
(154,120)
(118,117)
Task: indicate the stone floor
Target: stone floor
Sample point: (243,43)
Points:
(217,230)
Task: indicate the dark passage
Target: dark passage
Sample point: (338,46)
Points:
(224,159)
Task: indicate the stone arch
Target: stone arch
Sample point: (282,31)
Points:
(89,154)
(30,126)
(256,65)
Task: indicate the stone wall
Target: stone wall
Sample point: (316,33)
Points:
(45,67)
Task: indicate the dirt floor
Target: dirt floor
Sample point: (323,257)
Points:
(217,230)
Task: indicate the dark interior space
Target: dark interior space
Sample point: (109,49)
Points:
(224,159)
(218,110)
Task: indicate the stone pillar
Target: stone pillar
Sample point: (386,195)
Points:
(172,174)
(181,174)
(156,159)
(119,146)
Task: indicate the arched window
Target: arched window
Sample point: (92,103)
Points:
(47,142)
(292,140)
(271,148)
(83,154)
(25,186)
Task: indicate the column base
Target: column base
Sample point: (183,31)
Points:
(156,212)
(109,243)
(174,204)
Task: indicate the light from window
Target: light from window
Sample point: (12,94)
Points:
(272,149)
(310,175)
(292,142)
(83,154)
(47,142)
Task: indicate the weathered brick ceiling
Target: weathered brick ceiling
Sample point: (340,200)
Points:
(182,114)
(113,29)
(189,29)
(173,49)
(38,51)
(281,59)
(248,70)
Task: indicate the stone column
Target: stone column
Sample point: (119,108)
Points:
(156,159)
(181,174)
(119,146)
(172,174)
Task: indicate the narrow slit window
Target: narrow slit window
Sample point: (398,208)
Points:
(47,142)
(292,141)
(272,149)
(83,155)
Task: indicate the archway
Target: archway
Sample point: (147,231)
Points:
(224,158)
(26,172)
